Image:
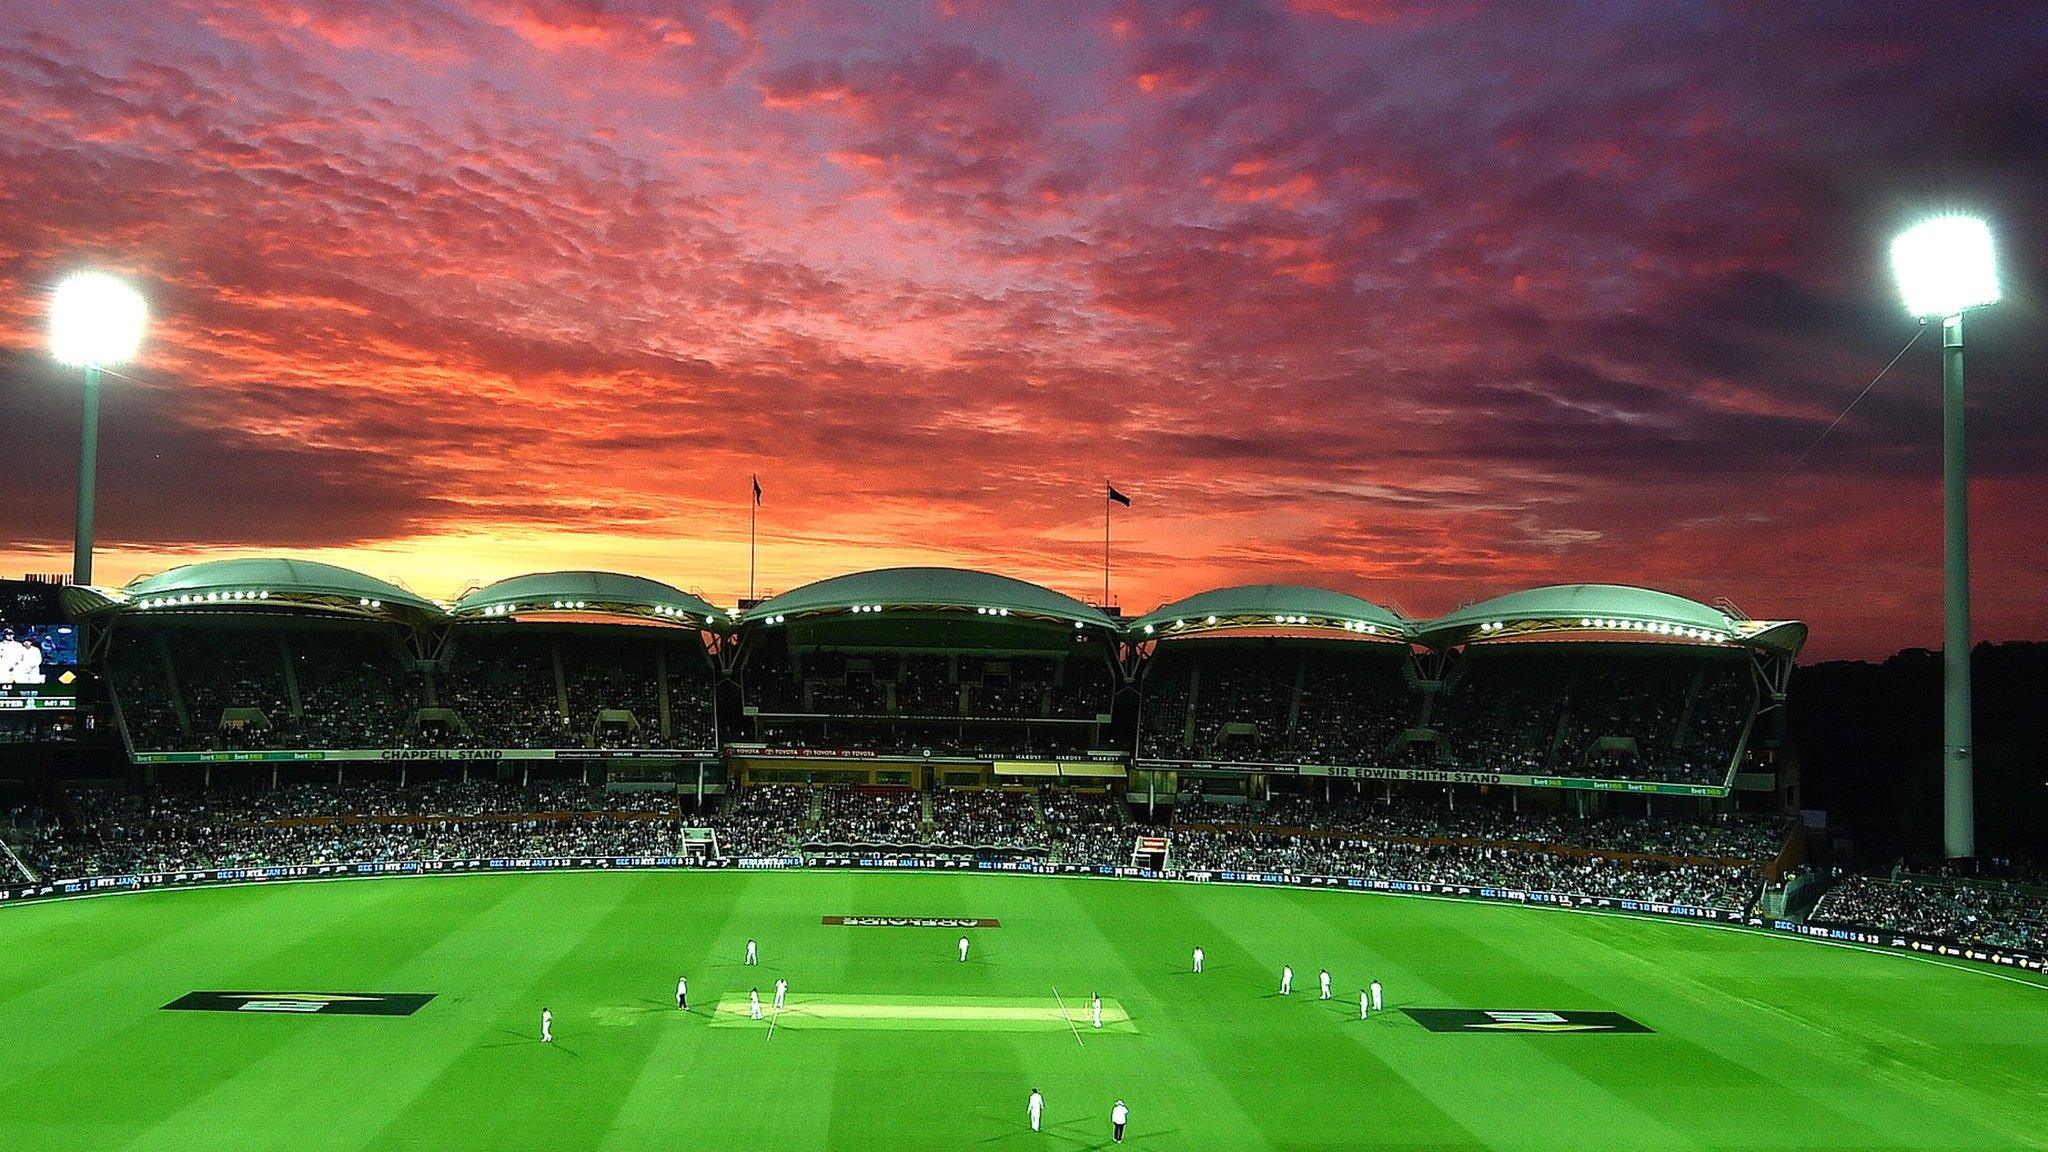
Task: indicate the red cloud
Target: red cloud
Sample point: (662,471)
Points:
(1338,296)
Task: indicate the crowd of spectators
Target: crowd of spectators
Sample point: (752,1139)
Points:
(1745,838)
(1086,827)
(928,685)
(1644,712)
(1985,914)
(356,690)
(1274,701)
(987,818)
(1649,713)
(882,736)
(247,684)
(1731,887)
(106,831)
(849,814)
(764,820)
(109,830)
(936,703)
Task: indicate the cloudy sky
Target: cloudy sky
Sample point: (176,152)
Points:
(1424,301)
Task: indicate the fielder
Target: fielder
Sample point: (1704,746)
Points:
(754,1003)
(1376,996)
(1117,1118)
(1364,1005)
(781,990)
(1035,1106)
(683,993)
(547,1026)
(1198,960)
(963,949)
(1287,979)
(751,958)
(1098,1008)
(1326,983)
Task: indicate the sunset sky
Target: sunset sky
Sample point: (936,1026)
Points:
(1422,301)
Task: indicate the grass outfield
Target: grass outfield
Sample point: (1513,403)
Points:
(1758,1042)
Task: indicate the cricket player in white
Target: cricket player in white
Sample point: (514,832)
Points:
(1035,1106)
(1198,960)
(1326,983)
(754,1003)
(1097,997)
(1364,1005)
(1118,1116)
(547,1026)
(1376,996)
(683,993)
(750,953)
(781,990)
(963,949)
(1287,979)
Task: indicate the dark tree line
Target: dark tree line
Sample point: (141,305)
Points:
(1868,738)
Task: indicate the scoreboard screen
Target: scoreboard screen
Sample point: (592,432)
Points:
(38,666)
(38,650)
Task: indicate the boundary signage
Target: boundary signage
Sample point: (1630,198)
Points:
(420,755)
(910,922)
(1443,776)
(2020,959)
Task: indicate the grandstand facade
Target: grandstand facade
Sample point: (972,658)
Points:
(923,676)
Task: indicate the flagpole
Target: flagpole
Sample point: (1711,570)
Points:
(1105,545)
(753,510)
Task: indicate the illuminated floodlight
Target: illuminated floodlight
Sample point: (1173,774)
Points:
(1944,266)
(96,320)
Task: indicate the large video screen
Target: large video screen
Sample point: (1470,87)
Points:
(38,666)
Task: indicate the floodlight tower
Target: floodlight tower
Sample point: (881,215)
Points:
(1944,268)
(95,321)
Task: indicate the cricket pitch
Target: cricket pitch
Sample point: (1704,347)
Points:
(926,1014)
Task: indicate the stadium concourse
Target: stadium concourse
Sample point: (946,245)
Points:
(1579,744)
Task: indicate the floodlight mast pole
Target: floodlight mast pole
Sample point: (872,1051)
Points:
(1959,806)
(88,478)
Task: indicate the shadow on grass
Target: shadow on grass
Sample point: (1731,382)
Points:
(517,1038)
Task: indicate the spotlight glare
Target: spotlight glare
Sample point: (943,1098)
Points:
(1945,265)
(96,320)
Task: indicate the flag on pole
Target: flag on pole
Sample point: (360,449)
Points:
(1118,496)
(757,492)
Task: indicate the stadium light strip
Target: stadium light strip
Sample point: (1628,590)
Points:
(191,598)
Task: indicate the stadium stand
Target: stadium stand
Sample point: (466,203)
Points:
(1610,711)
(919,664)
(1275,701)
(922,663)
(251,684)
(105,831)
(918,661)
(1980,914)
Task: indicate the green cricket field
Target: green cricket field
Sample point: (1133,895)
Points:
(405,1013)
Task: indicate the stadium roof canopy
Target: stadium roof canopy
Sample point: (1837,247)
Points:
(1612,610)
(268,584)
(1271,606)
(587,593)
(928,590)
